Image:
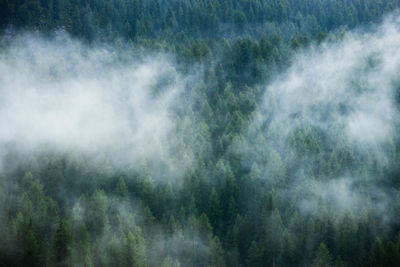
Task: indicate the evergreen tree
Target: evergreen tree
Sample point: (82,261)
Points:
(322,257)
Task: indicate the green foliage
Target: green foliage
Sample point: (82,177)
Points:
(121,188)
(322,257)
(227,210)
(62,240)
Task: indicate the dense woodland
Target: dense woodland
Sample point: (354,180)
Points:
(68,209)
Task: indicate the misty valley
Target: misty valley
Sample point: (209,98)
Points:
(200,133)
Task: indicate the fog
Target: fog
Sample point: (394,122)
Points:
(337,100)
(59,94)
(118,110)
(347,84)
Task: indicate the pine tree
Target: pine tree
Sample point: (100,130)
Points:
(62,241)
(121,189)
(214,209)
(322,257)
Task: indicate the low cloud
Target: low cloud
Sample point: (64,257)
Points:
(61,95)
(336,103)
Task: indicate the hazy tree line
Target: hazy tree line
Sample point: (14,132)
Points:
(139,19)
(60,210)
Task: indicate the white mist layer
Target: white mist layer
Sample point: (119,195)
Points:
(342,92)
(63,95)
(348,85)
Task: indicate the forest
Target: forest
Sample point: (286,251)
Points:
(182,133)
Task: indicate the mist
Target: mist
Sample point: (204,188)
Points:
(105,109)
(61,95)
(134,135)
(337,101)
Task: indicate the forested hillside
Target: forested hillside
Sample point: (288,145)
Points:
(199,133)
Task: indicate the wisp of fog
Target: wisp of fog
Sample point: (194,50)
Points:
(62,95)
(337,100)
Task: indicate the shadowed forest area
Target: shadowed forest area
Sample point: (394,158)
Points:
(199,133)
